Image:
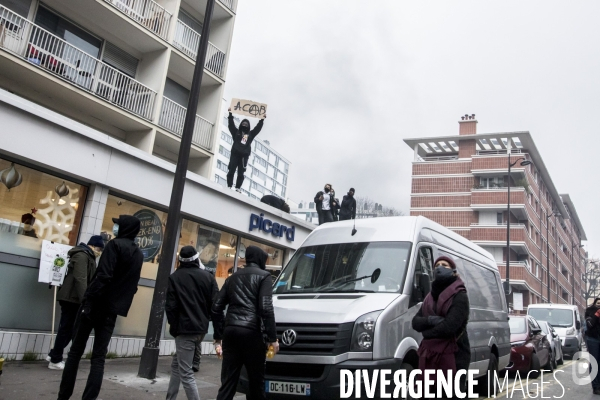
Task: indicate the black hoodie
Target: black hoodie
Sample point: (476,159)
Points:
(242,138)
(348,210)
(249,296)
(118,273)
(592,321)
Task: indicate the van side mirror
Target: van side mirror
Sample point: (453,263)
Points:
(577,325)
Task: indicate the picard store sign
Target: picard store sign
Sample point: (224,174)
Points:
(274,228)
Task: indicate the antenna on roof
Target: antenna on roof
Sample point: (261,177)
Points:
(354,227)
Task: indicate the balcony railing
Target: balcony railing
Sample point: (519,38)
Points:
(147,13)
(186,39)
(229,4)
(172,118)
(437,158)
(46,50)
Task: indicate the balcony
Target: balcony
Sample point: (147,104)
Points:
(231,4)
(52,54)
(187,40)
(147,13)
(172,118)
(495,236)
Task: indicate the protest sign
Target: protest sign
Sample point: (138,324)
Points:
(248,108)
(53,263)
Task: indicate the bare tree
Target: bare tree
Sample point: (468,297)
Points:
(364,203)
(391,212)
(591,279)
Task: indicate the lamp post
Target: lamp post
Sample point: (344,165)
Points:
(523,163)
(149,358)
(573,247)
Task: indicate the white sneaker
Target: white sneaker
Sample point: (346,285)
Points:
(238,190)
(58,366)
(48,358)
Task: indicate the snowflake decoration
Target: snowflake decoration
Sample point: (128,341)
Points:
(55,221)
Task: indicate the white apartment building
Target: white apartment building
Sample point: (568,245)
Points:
(267,171)
(93,95)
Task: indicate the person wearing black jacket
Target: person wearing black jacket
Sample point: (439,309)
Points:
(248,295)
(335,206)
(190,296)
(241,149)
(348,208)
(276,202)
(109,294)
(592,337)
(323,203)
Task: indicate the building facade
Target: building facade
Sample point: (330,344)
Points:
(90,131)
(461,182)
(267,171)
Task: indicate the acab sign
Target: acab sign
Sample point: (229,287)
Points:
(274,228)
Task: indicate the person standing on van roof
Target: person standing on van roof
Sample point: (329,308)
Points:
(276,202)
(323,204)
(442,320)
(335,206)
(247,294)
(241,149)
(348,208)
(592,336)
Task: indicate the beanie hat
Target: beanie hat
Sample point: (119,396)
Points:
(352,190)
(96,241)
(188,254)
(447,259)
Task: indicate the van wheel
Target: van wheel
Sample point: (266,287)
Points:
(535,366)
(482,382)
(408,369)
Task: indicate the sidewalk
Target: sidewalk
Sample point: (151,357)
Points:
(33,380)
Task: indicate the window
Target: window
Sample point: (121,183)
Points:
(424,266)
(38,206)
(224,151)
(226,137)
(20,7)
(120,59)
(493,182)
(274,259)
(222,166)
(499,218)
(190,21)
(485,283)
(177,93)
(260,161)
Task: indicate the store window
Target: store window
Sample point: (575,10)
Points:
(151,233)
(274,261)
(216,248)
(35,206)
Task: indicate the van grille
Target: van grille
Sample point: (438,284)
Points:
(288,370)
(317,339)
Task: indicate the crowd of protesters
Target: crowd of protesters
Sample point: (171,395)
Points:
(329,208)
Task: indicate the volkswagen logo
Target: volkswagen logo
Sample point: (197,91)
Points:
(288,337)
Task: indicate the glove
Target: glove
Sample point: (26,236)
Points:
(433,320)
(597,313)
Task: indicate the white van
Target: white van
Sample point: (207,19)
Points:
(346,301)
(566,321)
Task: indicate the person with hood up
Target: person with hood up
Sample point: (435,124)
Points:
(348,207)
(276,202)
(189,301)
(80,270)
(109,294)
(241,149)
(324,203)
(247,294)
(442,320)
(335,206)
(592,337)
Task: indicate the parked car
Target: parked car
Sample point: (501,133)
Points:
(530,348)
(565,319)
(555,342)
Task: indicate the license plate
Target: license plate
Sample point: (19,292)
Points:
(300,389)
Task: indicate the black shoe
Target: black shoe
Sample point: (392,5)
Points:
(196,369)
(596,391)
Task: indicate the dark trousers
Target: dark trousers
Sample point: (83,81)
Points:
(325,216)
(243,347)
(593,346)
(103,324)
(68,314)
(237,162)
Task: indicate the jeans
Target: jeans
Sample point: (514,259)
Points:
(243,347)
(197,356)
(239,162)
(326,216)
(103,324)
(593,346)
(181,367)
(68,314)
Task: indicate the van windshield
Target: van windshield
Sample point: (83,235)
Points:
(346,268)
(555,317)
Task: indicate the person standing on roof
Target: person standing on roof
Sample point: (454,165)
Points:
(348,210)
(241,149)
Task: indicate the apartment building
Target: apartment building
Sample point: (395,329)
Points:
(93,95)
(267,171)
(461,182)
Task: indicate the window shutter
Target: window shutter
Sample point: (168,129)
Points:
(120,59)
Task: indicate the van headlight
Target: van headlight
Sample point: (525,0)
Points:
(364,332)
(571,331)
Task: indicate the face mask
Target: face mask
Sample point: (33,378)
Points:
(327,190)
(443,272)
(116,230)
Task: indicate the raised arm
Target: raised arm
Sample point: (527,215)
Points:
(232,128)
(257,129)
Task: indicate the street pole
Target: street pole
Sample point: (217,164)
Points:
(149,359)
(548,256)
(507,289)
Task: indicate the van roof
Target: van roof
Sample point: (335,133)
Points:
(558,306)
(384,229)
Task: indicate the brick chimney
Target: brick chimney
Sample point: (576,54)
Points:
(467,125)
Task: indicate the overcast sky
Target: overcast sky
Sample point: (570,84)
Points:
(347,81)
